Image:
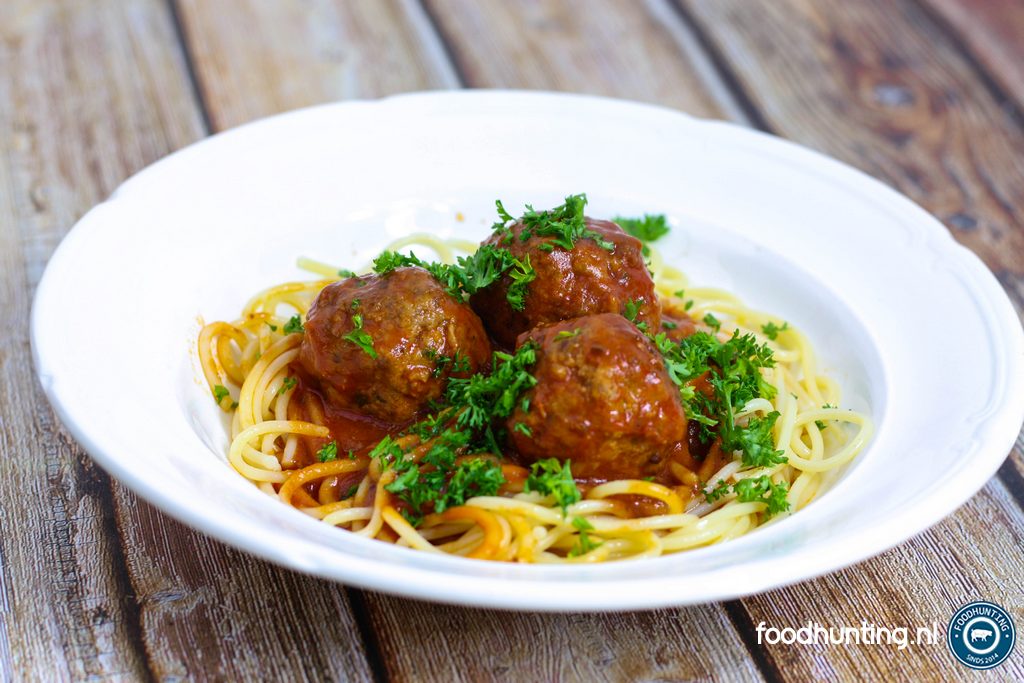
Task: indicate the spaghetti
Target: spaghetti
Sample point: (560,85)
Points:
(247,366)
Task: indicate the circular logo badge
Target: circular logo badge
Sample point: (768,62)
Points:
(981,635)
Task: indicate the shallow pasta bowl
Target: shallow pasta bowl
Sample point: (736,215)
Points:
(873,280)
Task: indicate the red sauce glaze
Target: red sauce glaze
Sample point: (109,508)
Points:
(349,430)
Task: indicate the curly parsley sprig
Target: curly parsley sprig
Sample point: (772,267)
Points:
(733,370)
(754,490)
(468,422)
(565,225)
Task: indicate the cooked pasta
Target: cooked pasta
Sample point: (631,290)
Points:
(248,365)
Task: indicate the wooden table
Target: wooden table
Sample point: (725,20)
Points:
(925,94)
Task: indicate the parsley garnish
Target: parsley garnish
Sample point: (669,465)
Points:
(712,322)
(763,490)
(771,330)
(351,491)
(754,490)
(294,325)
(481,400)
(288,383)
(647,229)
(631,309)
(551,478)
(565,224)
(436,480)
(457,364)
(567,334)
(668,325)
(220,392)
(328,452)
(585,544)
(471,273)
(345,272)
(734,373)
(821,423)
(272,326)
(358,335)
(467,423)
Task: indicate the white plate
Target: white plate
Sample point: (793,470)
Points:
(912,325)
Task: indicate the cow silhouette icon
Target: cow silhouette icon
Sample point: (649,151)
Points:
(982,634)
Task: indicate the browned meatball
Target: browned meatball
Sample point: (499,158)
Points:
(568,284)
(603,401)
(390,368)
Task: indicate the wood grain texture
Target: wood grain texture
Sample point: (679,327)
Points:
(993,32)
(93,92)
(633,50)
(89,94)
(876,84)
(208,610)
(697,643)
(254,58)
(973,555)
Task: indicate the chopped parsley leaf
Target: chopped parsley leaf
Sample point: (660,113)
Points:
(289,383)
(567,334)
(481,400)
(328,452)
(351,491)
(565,224)
(688,305)
(345,272)
(754,490)
(763,490)
(712,322)
(631,309)
(471,273)
(220,392)
(294,325)
(821,423)
(467,423)
(457,364)
(771,330)
(551,478)
(585,544)
(734,373)
(720,490)
(668,325)
(272,326)
(438,482)
(647,229)
(358,335)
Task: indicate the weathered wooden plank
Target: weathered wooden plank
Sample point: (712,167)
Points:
(696,643)
(637,51)
(81,108)
(481,644)
(95,91)
(993,32)
(211,611)
(308,53)
(877,85)
(973,555)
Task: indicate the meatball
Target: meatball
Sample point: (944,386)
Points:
(384,345)
(603,401)
(568,284)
